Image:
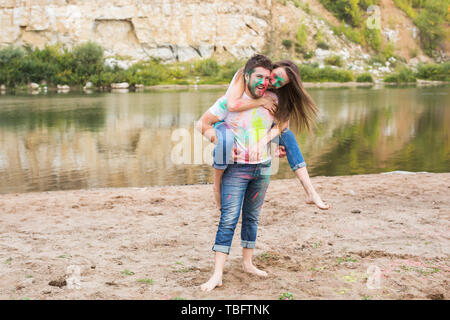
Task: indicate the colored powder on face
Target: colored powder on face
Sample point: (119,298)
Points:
(279,80)
(256,83)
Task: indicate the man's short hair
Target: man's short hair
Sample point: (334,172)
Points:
(258,60)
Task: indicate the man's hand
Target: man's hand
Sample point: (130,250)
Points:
(253,152)
(235,154)
(280,152)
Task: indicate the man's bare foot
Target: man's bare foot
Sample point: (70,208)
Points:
(216,196)
(315,199)
(250,268)
(214,281)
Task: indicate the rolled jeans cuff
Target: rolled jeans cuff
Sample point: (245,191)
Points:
(219,166)
(248,244)
(221,248)
(298,166)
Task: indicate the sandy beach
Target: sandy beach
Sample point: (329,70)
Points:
(155,242)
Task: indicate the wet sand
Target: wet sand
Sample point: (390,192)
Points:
(155,243)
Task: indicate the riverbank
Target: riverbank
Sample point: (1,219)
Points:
(163,87)
(155,242)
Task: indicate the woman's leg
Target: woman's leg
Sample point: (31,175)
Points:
(298,165)
(221,156)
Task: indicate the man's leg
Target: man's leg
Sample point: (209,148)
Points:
(234,184)
(216,280)
(253,202)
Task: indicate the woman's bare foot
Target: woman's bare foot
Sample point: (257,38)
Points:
(214,281)
(250,268)
(315,199)
(216,196)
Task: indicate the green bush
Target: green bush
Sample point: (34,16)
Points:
(178,72)
(88,61)
(287,43)
(352,34)
(418,3)
(373,38)
(388,51)
(406,6)
(333,61)
(364,4)
(347,10)
(431,18)
(10,60)
(207,67)
(228,69)
(401,76)
(302,35)
(312,73)
(364,77)
(308,55)
(431,22)
(306,8)
(149,73)
(413,52)
(296,3)
(323,45)
(299,49)
(434,71)
(319,36)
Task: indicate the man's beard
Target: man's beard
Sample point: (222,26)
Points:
(253,91)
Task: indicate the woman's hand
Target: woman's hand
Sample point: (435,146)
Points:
(280,152)
(270,104)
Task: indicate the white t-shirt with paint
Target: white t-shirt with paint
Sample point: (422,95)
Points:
(247,126)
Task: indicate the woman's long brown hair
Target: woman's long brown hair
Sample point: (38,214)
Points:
(294,103)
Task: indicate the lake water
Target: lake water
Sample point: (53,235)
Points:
(77,140)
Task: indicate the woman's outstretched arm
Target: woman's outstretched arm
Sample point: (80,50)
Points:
(236,103)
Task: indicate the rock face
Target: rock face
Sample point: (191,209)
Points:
(167,29)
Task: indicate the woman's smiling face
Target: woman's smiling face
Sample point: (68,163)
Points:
(278,78)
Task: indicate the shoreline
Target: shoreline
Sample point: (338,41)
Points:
(162,87)
(155,242)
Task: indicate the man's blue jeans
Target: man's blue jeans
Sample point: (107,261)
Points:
(222,155)
(243,186)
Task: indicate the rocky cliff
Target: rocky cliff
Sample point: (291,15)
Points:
(166,29)
(181,30)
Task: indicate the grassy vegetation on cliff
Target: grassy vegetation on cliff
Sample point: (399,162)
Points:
(431,18)
(354,14)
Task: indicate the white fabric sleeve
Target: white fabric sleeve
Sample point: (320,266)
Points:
(231,83)
(219,109)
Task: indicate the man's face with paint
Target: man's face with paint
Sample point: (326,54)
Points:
(257,81)
(278,78)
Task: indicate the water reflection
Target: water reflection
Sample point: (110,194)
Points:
(56,142)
